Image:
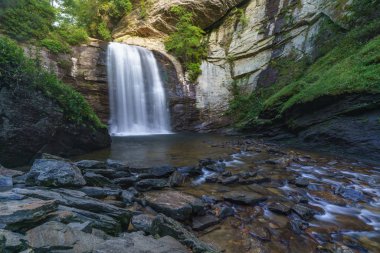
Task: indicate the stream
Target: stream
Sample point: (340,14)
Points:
(314,203)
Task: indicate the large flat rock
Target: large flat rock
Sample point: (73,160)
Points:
(177,205)
(23,214)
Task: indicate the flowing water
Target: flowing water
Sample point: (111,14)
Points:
(137,96)
(344,194)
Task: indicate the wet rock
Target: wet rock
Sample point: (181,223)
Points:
(280,207)
(14,242)
(100,192)
(350,194)
(143,222)
(9,173)
(246,175)
(54,235)
(227,174)
(84,227)
(217,167)
(209,199)
(176,179)
(76,200)
(223,211)
(108,173)
(206,162)
(329,197)
(23,214)
(190,170)
(138,243)
(156,172)
(2,243)
(301,182)
(244,198)
(174,204)
(212,178)
(9,196)
(304,211)
(259,231)
(90,164)
(230,180)
(102,222)
(129,195)
(203,222)
(54,173)
(6,183)
(47,156)
(126,181)
(93,179)
(298,225)
(151,184)
(116,165)
(163,226)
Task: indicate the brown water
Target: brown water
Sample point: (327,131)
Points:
(344,223)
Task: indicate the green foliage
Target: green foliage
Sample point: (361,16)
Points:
(351,67)
(54,46)
(17,70)
(143,12)
(97,16)
(26,19)
(186,42)
(363,11)
(103,32)
(71,34)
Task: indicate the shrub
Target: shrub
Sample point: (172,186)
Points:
(187,42)
(26,19)
(72,34)
(103,32)
(55,46)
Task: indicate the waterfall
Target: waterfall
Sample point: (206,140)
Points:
(137,96)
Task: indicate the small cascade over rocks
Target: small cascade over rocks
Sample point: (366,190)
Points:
(137,96)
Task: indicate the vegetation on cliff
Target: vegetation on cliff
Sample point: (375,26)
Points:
(350,63)
(187,42)
(17,70)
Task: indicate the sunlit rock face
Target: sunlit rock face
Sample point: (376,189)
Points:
(159,20)
(242,46)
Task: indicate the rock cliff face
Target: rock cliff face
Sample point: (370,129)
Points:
(242,46)
(243,36)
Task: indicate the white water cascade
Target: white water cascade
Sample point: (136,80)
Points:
(137,96)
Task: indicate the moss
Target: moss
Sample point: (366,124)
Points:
(351,67)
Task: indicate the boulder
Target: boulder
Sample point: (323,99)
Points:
(37,123)
(54,173)
(138,243)
(151,184)
(55,235)
(177,179)
(76,199)
(9,196)
(14,242)
(126,181)
(6,183)
(116,165)
(177,205)
(100,192)
(90,164)
(244,198)
(280,207)
(203,222)
(129,195)
(93,179)
(166,226)
(102,222)
(230,180)
(22,214)
(9,173)
(143,222)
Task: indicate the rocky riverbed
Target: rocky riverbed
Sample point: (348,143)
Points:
(259,198)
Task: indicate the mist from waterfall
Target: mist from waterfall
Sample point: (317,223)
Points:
(137,96)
